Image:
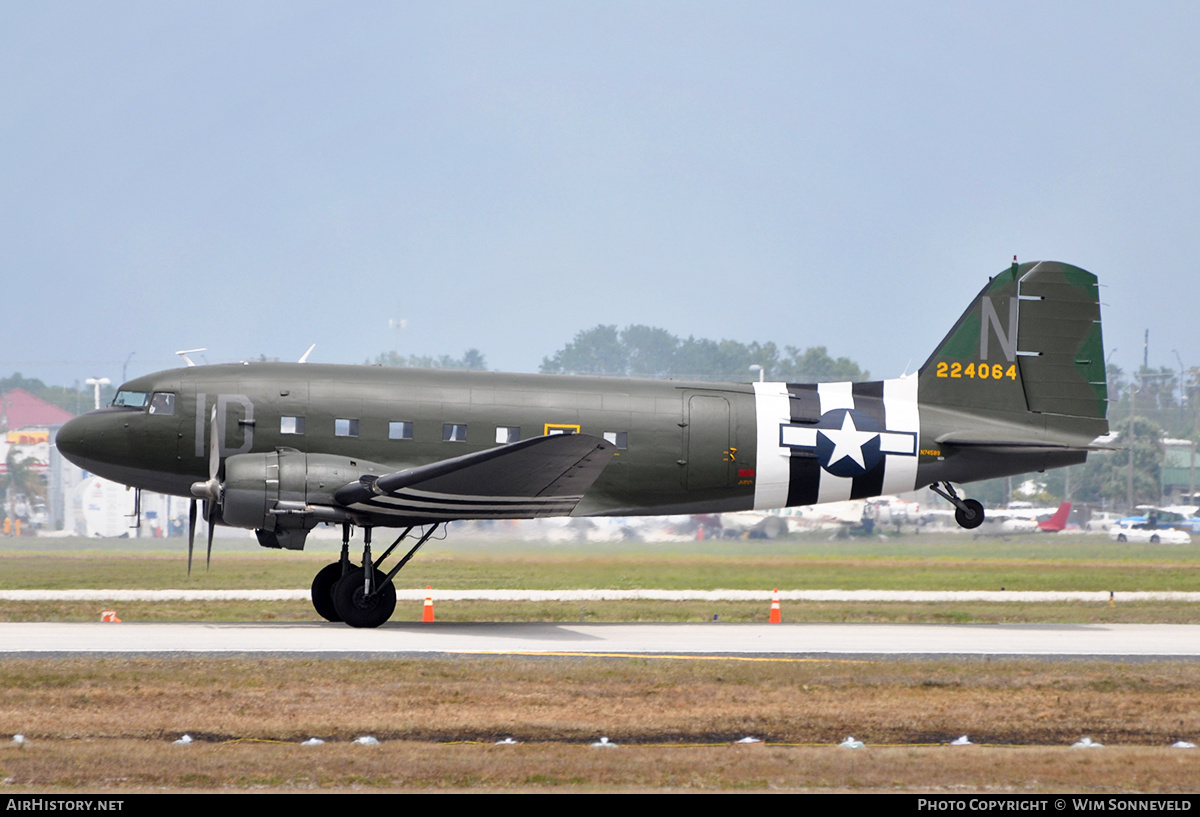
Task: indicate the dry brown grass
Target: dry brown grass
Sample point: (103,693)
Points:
(109,723)
(134,766)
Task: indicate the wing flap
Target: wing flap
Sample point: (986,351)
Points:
(542,476)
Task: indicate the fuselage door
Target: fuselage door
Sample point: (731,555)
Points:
(710,460)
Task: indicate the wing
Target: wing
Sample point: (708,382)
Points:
(542,476)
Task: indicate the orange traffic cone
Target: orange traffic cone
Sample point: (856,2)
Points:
(109,615)
(776,615)
(428,614)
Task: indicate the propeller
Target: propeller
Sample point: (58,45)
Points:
(210,491)
(191,532)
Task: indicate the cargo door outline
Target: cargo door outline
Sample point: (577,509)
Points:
(709,457)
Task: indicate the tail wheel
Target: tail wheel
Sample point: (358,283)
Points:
(359,610)
(1154,540)
(1121,537)
(970,515)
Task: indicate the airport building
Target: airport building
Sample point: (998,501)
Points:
(1178,472)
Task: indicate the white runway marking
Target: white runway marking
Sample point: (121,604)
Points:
(832,640)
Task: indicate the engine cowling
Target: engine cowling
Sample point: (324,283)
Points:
(283,494)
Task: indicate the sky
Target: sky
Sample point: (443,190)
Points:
(255,177)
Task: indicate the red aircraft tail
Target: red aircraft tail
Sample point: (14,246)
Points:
(1057,522)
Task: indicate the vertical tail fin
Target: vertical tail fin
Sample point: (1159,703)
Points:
(1058,521)
(1029,344)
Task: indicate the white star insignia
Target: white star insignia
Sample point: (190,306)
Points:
(848,441)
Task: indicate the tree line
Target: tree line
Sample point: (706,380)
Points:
(648,351)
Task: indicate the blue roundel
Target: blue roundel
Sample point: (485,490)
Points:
(848,442)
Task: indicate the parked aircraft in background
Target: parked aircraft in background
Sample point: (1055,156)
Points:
(1017,385)
(1152,518)
(1007,522)
(1058,521)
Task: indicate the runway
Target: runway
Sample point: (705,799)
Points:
(1108,641)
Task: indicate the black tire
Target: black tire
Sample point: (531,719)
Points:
(322,591)
(358,611)
(1121,537)
(1154,540)
(971,516)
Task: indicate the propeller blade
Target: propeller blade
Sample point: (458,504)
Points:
(208,555)
(210,489)
(213,486)
(191,532)
(214,448)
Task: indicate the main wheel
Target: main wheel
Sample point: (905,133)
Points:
(971,516)
(358,610)
(322,591)
(1122,538)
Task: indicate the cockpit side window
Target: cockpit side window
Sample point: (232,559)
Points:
(162,402)
(131,399)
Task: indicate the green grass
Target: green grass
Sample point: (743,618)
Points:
(629,611)
(945,562)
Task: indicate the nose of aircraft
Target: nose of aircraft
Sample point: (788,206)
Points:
(114,443)
(71,439)
(95,441)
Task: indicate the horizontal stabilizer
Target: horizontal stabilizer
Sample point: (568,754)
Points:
(969,440)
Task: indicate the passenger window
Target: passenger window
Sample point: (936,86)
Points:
(345,428)
(291,425)
(618,438)
(508,434)
(454,432)
(401,430)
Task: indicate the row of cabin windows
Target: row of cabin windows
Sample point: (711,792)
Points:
(451,432)
(164,403)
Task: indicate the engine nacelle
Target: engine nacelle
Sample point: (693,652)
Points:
(285,493)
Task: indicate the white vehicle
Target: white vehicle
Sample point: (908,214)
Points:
(1102,520)
(1132,533)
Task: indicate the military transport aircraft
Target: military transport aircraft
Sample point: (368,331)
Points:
(1017,385)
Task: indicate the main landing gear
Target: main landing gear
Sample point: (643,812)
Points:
(343,591)
(968,513)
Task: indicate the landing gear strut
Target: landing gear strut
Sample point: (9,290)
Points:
(968,513)
(342,591)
